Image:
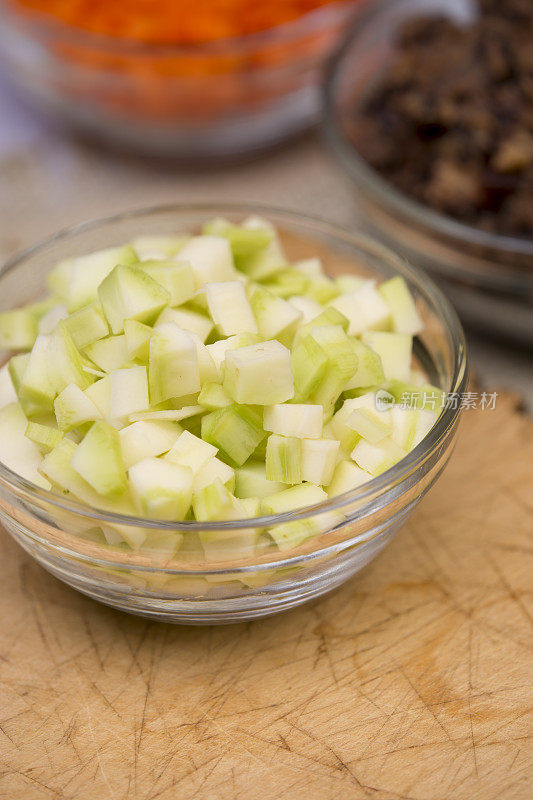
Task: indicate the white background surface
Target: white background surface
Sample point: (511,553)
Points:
(49,180)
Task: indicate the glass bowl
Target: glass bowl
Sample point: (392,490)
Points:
(488,277)
(65,537)
(221,99)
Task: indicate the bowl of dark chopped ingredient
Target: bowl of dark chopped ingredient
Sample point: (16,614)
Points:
(429,106)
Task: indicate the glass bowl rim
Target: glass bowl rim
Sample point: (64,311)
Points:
(393,199)
(379,485)
(292,30)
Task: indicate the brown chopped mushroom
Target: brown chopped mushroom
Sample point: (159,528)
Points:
(451,120)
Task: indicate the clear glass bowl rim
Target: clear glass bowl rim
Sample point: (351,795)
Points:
(312,21)
(383,192)
(377,486)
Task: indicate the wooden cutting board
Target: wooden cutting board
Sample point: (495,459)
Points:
(411,682)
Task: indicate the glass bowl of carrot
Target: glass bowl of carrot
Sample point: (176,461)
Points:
(209,78)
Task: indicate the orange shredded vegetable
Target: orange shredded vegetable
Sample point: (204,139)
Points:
(174,21)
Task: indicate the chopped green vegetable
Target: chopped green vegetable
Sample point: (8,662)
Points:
(284,459)
(130,293)
(98,460)
(235,431)
(207,378)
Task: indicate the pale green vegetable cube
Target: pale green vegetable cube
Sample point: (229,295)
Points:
(405,317)
(66,363)
(51,319)
(342,365)
(214,469)
(17,452)
(188,320)
(99,394)
(98,460)
(128,391)
(147,438)
(259,374)
(284,459)
(73,408)
(57,466)
(395,350)
(7,390)
(44,436)
(216,502)
(173,367)
(403,426)
(36,389)
(244,242)
(168,414)
(109,353)
(162,545)
(155,246)
(349,283)
(425,421)
(292,499)
(319,457)
(309,363)
(161,489)
(251,506)
(87,272)
(218,350)
(347,436)
(275,317)
(220,546)
(268,260)
(321,289)
(411,425)
(369,425)
(130,534)
(229,308)
(130,293)
(339,349)
(329,391)
(209,372)
(87,325)
(212,396)
(287,283)
(18,329)
(364,308)
(369,368)
(137,339)
(368,419)
(16,366)
(308,308)
(288,535)
(329,316)
(236,431)
(377,458)
(251,481)
(211,259)
(176,277)
(294,419)
(312,267)
(420,395)
(191,451)
(347,476)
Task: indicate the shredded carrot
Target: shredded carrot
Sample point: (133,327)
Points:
(193,86)
(173,21)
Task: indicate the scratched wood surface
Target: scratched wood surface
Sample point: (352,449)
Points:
(410,682)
